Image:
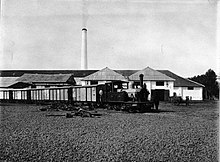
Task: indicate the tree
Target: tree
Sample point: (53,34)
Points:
(209,80)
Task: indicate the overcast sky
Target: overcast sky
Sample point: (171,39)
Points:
(179,36)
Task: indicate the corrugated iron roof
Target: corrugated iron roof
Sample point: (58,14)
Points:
(150,75)
(181,82)
(105,74)
(33,78)
(126,73)
(7,81)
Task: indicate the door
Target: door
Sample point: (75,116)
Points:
(162,94)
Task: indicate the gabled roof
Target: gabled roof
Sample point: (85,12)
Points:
(36,78)
(181,82)
(150,75)
(7,81)
(105,74)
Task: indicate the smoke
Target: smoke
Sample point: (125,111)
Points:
(85,13)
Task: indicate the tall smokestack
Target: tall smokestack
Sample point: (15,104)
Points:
(84,61)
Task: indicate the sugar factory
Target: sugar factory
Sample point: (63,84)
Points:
(112,90)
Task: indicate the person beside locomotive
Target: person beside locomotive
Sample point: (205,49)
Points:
(101,97)
(144,93)
(156,100)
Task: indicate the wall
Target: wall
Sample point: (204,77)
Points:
(89,82)
(178,91)
(79,81)
(195,94)
(46,85)
(168,85)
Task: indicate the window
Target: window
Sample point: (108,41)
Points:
(124,85)
(136,84)
(115,86)
(94,82)
(190,88)
(160,83)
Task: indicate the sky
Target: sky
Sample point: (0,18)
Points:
(174,35)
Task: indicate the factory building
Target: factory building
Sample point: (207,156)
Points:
(184,87)
(155,81)
(43,81)
(107,76)
(103,76)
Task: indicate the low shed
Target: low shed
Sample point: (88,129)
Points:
(5,82)
(45,80)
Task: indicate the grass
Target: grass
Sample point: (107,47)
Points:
(176,133)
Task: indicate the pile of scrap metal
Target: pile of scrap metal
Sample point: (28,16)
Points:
(83,113)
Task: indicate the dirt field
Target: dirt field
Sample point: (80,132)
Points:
(176,133)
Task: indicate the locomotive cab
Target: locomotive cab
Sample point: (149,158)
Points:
(116,86)
(114,91)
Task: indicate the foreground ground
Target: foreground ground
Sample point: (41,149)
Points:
(177,133)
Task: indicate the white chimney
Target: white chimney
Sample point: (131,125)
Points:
(84,61)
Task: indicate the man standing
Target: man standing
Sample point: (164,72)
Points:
(100,97)
(156,100)
(144,93)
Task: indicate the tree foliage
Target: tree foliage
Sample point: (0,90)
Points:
(209,80)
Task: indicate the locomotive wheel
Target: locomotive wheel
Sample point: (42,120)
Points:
(175,102)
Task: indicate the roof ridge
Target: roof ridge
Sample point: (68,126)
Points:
(152,74)
(100,74)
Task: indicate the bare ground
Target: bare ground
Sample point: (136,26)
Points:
(176,133)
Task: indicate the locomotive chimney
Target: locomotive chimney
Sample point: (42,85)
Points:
(84,62)
(141,80)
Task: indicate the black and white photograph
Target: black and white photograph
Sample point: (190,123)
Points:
(109,80)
